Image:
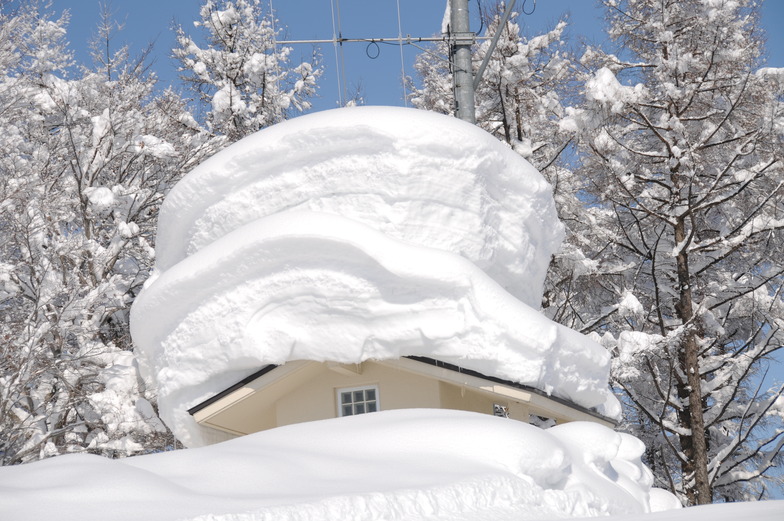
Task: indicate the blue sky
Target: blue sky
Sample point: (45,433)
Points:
(150,21)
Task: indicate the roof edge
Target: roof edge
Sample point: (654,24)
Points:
(209,401)
(510,383)
(425,360)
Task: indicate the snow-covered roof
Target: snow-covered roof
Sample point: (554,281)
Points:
(416,176)
(356,234)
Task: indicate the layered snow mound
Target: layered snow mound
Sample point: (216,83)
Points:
(396,465)
(357,234)
(416,176)
(315,286)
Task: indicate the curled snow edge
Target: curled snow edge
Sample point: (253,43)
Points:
(371,243)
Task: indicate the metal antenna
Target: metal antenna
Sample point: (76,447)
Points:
(460,40)
(342,63)
(402,61)
(334,41)
(275,47)
(494,42)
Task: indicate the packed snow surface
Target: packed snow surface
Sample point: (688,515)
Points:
(413,175)
(417,464)
(351,235)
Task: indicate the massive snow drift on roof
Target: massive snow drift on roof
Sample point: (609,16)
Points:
(356,234)
(415,176)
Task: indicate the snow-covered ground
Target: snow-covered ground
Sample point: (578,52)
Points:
(417,464)
(365,233)
(398,465)
(755,511)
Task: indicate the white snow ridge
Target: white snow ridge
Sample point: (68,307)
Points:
(357,234)
(403,465)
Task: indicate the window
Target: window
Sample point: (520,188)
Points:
(357,400)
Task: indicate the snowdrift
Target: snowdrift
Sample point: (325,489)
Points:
(351,235)
(394,465)
(416,176)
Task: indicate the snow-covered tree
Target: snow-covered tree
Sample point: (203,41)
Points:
(245,81)
(682,163)
(84,164)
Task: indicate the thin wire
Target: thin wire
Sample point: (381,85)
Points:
(533,9)
(431,53)
(335,46)
(275,47)
(342,56)
(402,62)
(367,50)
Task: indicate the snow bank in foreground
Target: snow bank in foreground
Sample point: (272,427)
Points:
(758,511)
(396,465)
(357,234)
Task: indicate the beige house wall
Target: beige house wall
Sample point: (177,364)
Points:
(212,436)
(316,399)
(307,391)
(311,394)
(467,399)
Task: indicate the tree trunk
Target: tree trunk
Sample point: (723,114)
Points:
(695,447)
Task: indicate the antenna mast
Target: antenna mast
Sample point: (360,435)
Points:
(460,42)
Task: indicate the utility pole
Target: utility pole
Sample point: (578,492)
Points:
(460,42)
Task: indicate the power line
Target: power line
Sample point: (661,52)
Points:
(394,40)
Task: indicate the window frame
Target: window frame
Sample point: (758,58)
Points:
(339,399)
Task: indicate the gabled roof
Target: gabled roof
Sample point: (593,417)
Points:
(449,372)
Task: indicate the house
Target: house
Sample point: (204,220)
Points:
(301,391)
(354,260)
